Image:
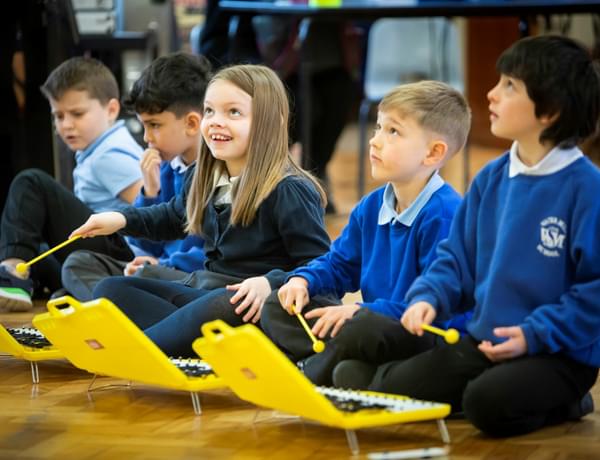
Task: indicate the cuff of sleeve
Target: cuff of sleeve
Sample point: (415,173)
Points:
(130,217)
(382,308)
(534,346)
(143,200)
(369,306)
(276,278)
(429,298)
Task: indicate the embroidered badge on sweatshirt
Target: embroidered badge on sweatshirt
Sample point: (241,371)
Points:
(553,232)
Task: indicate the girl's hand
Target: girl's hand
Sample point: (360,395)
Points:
(150,165)
(294,293)
(254,291)
(515,346)
(104,223)
(138,262)
(334,316)
(417,314)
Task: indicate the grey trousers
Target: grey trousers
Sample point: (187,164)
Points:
(83,270)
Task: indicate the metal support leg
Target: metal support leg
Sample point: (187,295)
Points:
(35,373)
(352,442)
(443,431)
(196,403)
(92,383)
(106,387)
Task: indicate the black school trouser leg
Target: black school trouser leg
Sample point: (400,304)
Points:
(505,399)
(40,210)
(368,337)
(285,330)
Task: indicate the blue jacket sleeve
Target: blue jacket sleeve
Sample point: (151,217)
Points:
(448,283)
(142,200)
(386,307)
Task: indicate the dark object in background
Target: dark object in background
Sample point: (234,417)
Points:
(43,32)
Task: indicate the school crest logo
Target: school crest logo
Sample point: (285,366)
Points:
(553,232)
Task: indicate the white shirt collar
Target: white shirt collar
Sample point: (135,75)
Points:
(178,165)
(387,212)
(554,161)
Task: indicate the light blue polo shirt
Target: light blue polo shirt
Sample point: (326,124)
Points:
(106,167)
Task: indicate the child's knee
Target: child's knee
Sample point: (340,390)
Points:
(78,260)
(32,175)
(74,265)
(107,287)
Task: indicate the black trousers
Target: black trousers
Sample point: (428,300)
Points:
(39,211)
(505,399)
(285,330)
(170,313)
(368,337)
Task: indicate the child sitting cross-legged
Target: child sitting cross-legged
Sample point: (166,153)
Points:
(390,239)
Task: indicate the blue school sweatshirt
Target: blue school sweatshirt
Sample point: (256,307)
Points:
(525,251)
(382,260)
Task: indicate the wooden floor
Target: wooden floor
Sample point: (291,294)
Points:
(58,418)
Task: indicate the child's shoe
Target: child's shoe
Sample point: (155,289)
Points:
(15,293)
(581,408)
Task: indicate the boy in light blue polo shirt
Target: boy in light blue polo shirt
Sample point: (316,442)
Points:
(391,238)
(84,98)
(105,168)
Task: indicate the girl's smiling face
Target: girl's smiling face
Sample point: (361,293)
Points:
(226,124)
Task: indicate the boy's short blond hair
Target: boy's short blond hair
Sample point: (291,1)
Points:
(436,107)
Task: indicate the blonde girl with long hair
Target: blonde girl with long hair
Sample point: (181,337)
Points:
(259,214)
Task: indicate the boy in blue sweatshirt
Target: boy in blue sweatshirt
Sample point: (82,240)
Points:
(168,99)
(523,252)
(390,239)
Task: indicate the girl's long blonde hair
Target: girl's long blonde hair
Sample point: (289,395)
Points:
(268,158)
